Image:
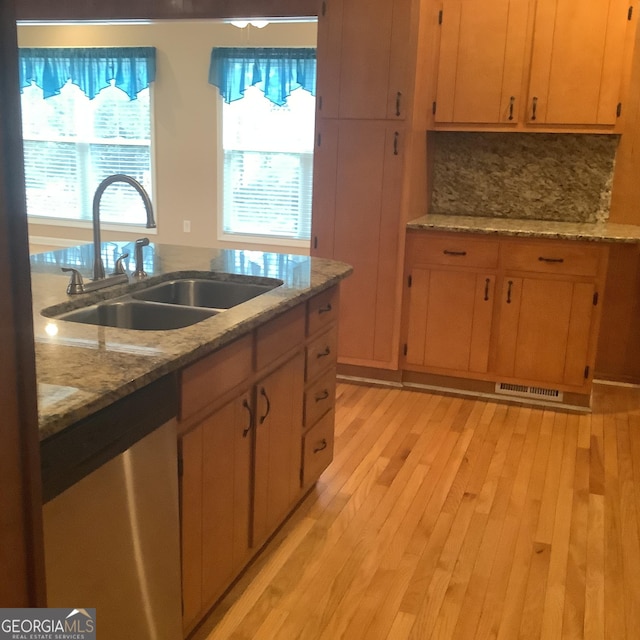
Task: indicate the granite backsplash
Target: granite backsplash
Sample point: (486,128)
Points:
(562,177)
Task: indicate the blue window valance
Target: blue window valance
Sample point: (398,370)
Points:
(275,71)
(92,69)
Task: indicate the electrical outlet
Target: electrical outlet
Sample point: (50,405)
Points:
(186,226)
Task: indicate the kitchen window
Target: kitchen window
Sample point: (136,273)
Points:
(268,134)
(86,115)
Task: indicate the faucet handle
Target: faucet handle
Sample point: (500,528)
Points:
(76,284)
(119,268)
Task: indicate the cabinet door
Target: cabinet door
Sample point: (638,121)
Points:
(357,220)
(481,61)
(577,61)
(279,421)
(365,51)
(226,481)
(450,314)
(544,330)
(215,501)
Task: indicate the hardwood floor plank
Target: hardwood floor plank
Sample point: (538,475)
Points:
(613,568)
(594,627)
(556,582)
(629,527)
(574,601)
(444,517)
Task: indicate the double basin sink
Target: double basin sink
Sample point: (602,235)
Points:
(171,304)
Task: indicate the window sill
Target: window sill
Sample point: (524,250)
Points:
(86,224)
(271,241)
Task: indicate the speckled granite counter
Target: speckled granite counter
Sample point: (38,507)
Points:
(83,368)
(595,232)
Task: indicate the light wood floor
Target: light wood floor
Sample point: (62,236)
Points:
(444,517)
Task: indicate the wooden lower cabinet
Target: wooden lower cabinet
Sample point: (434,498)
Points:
(216,500)
(516,311)
(544,331)
(277,449)
(243,435)
(450,314)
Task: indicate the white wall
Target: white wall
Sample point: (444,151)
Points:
(186,115)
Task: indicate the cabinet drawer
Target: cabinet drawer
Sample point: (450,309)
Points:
(570,258)
(211,377)
(319,397)
(453,249)
(321,354)
(317,449)
(279,336)
(322,310)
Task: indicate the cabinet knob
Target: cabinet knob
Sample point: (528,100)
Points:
(325,309)
(322,396)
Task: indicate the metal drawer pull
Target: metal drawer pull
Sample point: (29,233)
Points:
(246,405)
(398,96)
(396,135)
(509,291)
(534,109)
(543,259)
(486,289)
(447,252)
(511,103)
(325,309)
(322,396)
(322,447)
(324,353)
(263,393)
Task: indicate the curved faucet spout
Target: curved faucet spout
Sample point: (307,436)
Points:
(98,265)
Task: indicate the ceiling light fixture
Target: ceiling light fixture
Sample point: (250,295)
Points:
(241,24)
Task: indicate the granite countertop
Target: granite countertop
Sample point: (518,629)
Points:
(594,232)
(83,368)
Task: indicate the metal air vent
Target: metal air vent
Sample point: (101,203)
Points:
(524,391)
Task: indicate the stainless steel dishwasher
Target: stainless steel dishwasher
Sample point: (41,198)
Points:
(112,541)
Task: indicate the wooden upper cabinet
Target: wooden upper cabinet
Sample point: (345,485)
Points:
(481,61)
(577,62)
(527,64)
(364,48)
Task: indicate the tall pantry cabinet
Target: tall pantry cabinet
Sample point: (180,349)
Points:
(364,102)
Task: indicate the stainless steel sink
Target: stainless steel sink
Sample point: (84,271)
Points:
(173,304)
(197,292)
(143,316)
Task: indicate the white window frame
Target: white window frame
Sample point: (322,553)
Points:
(241,238)
(133,227)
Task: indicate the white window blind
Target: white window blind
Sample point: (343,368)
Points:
(72,143)
(268,165)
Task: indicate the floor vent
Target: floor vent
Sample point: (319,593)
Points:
(528,392)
